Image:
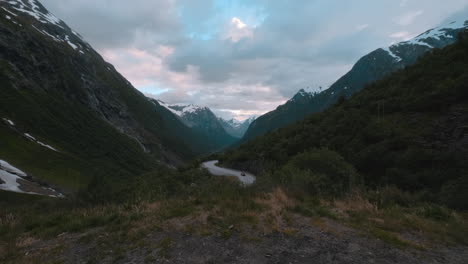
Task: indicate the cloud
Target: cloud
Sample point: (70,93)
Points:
(242,57)
(238,30)
(402,35)
(362,27)
(408,19)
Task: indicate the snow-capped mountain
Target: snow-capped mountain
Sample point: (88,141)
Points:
(44,22)
(183,110)
(58,90)
(235,127)
(202,120)
(374,66)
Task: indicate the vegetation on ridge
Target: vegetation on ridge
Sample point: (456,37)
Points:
(407,130)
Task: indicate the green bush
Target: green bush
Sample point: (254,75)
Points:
(391,196)
(455,193)
(318,171)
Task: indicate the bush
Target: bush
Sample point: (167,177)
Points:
(318,171)
(454,194)
(391,196)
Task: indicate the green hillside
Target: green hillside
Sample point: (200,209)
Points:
(67,96)
(408,130)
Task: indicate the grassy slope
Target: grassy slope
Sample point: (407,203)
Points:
(45,96)
(88,144)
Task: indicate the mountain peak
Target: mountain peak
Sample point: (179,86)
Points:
(35,9)
(183,109)
(237,128)
(433,38)
(304,92)
(43,22)
(369,68)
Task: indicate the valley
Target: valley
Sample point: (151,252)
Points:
(98,168)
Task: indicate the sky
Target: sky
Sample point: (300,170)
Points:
(243,57)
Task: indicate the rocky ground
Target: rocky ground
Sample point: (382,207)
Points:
(308,241)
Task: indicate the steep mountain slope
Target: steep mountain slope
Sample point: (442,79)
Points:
(55,87)
(369,68)
(202,121)
(408,130)
(236,128)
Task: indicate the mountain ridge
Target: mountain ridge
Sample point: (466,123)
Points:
(371,67)
(407,130)
(202,120)
(235,127)
(56,87)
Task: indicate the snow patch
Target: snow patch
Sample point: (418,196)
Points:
(181,109)
(238,123)
(10,176)
(32,9)
(33,139)
(46,146)
(191,109)
(28,136)
(55,38)
(436,34)
(9,168)
(11,13)
(234,123)
(8,121)
(67,39)
(417,42)
(393,55)
(10,182)
(178,113)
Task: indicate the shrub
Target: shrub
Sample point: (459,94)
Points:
(318,171)
(454,194)
(391,196)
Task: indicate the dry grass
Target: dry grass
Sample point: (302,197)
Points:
(352,203)
(247,216)
(277,204)
(419,223)
(26,241)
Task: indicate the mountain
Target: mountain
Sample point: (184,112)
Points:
(409,130)
(58,91)
(203,121)
(235,127)
(374,66)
